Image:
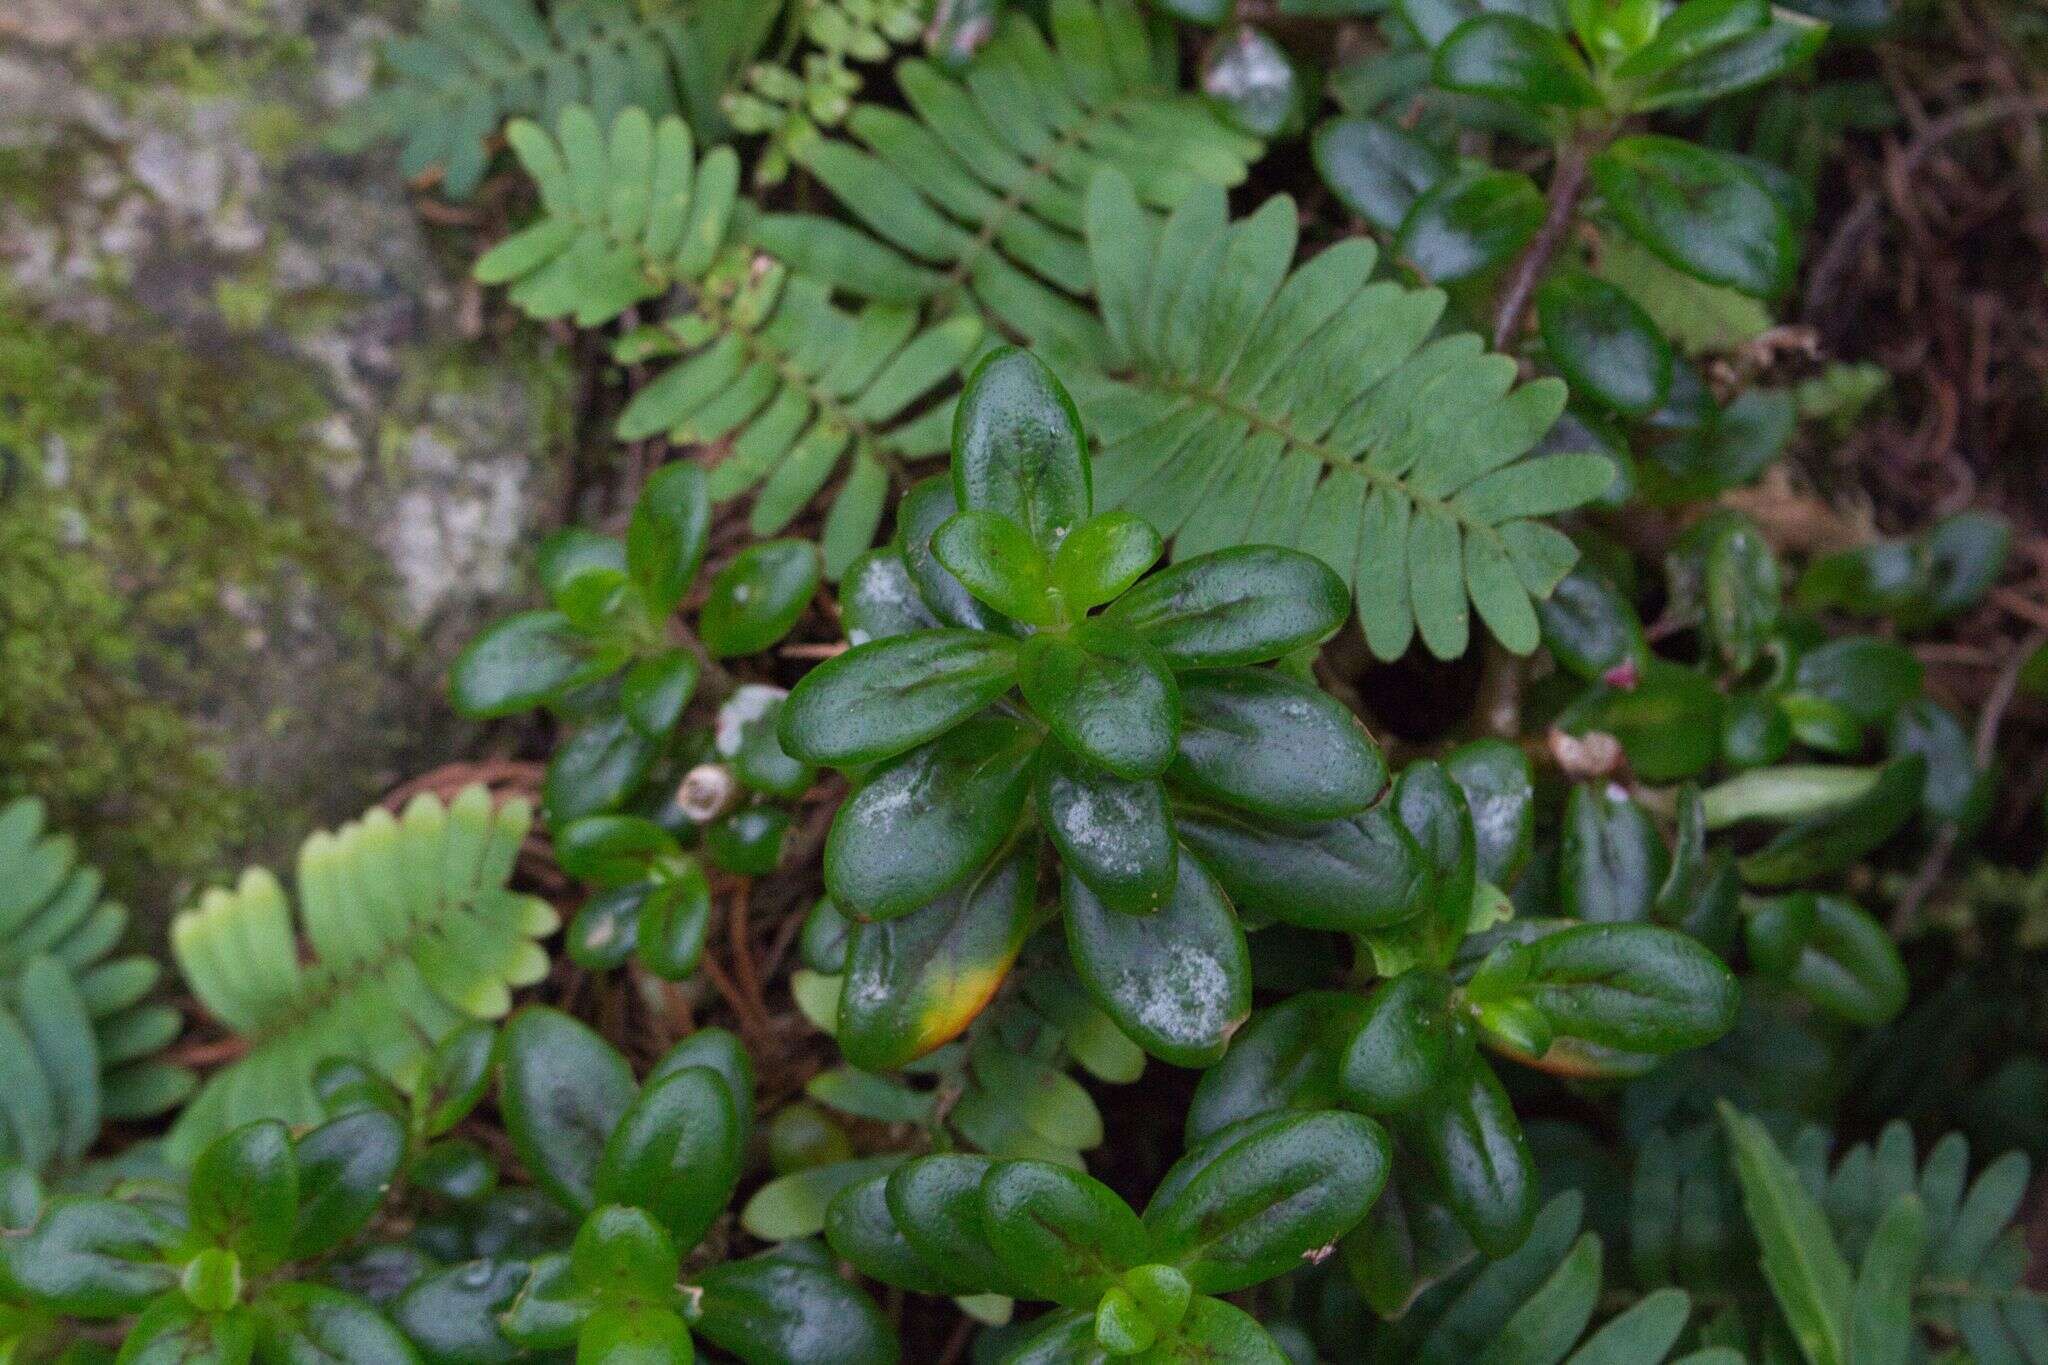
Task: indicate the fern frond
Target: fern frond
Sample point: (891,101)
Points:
(979,187)
(1319,409)
(625,215)
(803,388)
(475,64)
(790,102)
(78,1036)
(412,930)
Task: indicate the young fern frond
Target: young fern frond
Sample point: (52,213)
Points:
(78,1037)
(625,215)
(790,102)
(979,187)
(1244,403)
(803,387)
(480,62)
(412,931)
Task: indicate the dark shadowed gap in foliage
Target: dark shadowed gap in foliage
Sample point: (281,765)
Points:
(1418,698)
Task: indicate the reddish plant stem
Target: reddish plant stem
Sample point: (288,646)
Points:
(1567,187)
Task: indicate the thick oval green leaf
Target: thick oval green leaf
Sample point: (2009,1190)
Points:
(1216,1330)
(452,1314)
(1064,1234)
(1849,965)
(1251,1202)
(1410,1041)
(1353,875)
(1018,448)
(521,662)
(924,823)
(1253,81)
(596,769)
(923,510)
(91,1258)
(665,541)
(673,920)
(878,699)
(244,1195)
(773,1310)
(1500,793)
(1102,558)
(1697,210)
(1956,788)
(1636,987)
(757,598)
(1261,741)
(1111,701)
(1867,677)
(996,559)
(1469,222)
(1177,981)
(1589,626)
(1604,343)
(676,1153)
(1245,605)
(936,1202)
(878,599)
(1375,169)
(1285,1058)
(1513,58)
(1612,860)
(917,982)
(1470,1140)
(310,1322)
(1828,842)
(622,1256)
(346,1166)
(1111,832)
(859,1228)
(563,1091)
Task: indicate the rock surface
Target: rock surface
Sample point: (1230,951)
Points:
(196,290)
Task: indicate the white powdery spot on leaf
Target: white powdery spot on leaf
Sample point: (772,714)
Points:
(1186,999)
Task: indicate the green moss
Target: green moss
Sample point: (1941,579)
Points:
(147,491)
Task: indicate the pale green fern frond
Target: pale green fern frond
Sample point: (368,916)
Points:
(803,388)
(411,930)
(479,62)
(1245,402)
(79,1037)
(977,191)
(625,215)
(791,100)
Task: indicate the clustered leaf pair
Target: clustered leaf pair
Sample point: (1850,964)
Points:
(1011,680)
(1243,1207)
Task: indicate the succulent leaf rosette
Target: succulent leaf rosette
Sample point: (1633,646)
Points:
(1018,685)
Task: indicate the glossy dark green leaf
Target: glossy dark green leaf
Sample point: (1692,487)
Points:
(860,1229)
(1693,28)
(1668,722)
(801,1136)
(1110,700)
(1252,1201)
(1177,981)
(1956,788)
(656,689)
(1604,343)
(721,1052)
(1511,58)
(1500,792)
(1868,677)
(1246,605)
(1589,626)
(927,821)
(665,542)
(1064,1234)
(581,567)
(606,929)
(1697,211)
(345,1167)
(1432,809)
(563,1091)
(1726,448)
(596,769)
(923,510)
(634,1335)
(1849,965)
(622,1255)
(1965,555)
(936,1202)
(1612,858)
(244,1195)
(1411,1040)
(878,599)
(672,921)
(1111,832)
(1102,558)
(1285,1058)
(1469,222)
(771,1310)
(1375,169)
(1469,1138)
(917,982)
(1820,724)
(878,699)
(1831,841)
(172,1331)
(1755,731)
(676,1154)
(1634,987)
(824,939)
(756,599)
(612,850)
(90,1258)
(1018,448)
(1253,81)
(748,840)
(1777,931)
(455,1169)
(451,1315)
(521,662)
(746,736)
(1217,1330)
(1261,741)
(304,1323)
(1354,875)
(997,560)
(1750,60)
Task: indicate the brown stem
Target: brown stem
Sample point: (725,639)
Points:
(1567,186)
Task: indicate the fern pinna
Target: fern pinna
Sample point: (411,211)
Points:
(412,931)
(79,1037)
(980,186)
(1246,403)
(477,63)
